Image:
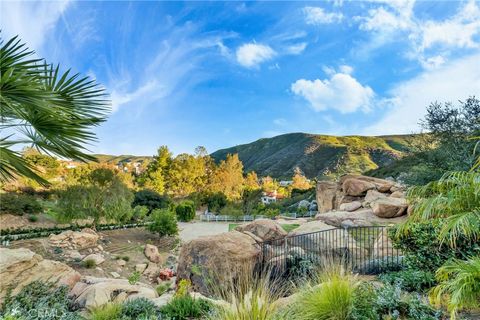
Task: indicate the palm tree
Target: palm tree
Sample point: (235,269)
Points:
(44,108)
(455,198)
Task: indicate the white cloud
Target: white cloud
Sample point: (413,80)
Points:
(394,18)
(341,92)
(453,81)
(120,98)
(317,15)
(31,20)
(296,48)
(252,54)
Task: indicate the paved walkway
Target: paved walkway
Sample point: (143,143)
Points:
(193,230)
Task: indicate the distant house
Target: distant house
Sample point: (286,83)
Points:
(285,183)
(270,197)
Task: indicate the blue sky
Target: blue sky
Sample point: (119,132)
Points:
(218,74)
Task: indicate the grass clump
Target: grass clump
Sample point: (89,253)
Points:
(162,288)
(185,307)
(89,263)
(330,297)
(140,308)
(109,311)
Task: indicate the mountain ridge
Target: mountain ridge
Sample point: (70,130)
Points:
(317,155)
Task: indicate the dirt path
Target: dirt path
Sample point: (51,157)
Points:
(193,230)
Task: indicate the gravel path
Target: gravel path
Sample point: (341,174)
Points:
(193,230)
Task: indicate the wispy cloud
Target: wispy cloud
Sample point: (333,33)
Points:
(410,99)
(317,15)
(31,20)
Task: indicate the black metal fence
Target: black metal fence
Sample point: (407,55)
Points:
(365,250)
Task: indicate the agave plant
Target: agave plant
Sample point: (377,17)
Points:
(459,283)
(44,108)
(455,198)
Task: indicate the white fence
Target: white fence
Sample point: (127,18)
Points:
(220,218)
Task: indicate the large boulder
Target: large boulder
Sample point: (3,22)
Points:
(326,192)
(356,187)
(389,207)
(19,267)
(263,229)
(319,237)
(77,240)
(381,185)
(217,259)
(383,247)
(371,196)
(92,292)
(350,206)
(359,218)
(98,258)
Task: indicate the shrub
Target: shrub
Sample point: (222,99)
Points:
(364,299)
(151,199)
(89,263)
(164,222)
(216,201)
(391,301)
(140,308)
(185,211)
(185,307)
(139,213)
(32,218)
(410,280)
(39,300)
(108,311)
(134,277)
(424,251)
(19,204)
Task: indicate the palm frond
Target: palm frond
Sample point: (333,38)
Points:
(48,109)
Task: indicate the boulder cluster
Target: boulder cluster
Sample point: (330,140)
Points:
(360,201)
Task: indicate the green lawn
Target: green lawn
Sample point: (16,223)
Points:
(286,227)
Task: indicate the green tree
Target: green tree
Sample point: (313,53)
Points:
(151,199)
(156,174)
(163,222)
(228,177)
(45,108)
(187,174)
(101,196)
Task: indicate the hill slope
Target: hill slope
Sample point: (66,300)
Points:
(111,159)
(317,155)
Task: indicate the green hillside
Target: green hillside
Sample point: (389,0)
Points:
(112,159)
(317,155)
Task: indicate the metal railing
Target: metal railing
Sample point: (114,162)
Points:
(365,250)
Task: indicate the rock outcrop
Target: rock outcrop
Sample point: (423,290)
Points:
(264,229)
(92,292)
(216,259)
(336,242)
(19,267)
(354,193)
(359,218)
(74,240)
(151,252)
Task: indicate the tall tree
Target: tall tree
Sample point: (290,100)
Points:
(251,181)
(187,174)
(156,174)
(299,180)
(228,177)
(51,111)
